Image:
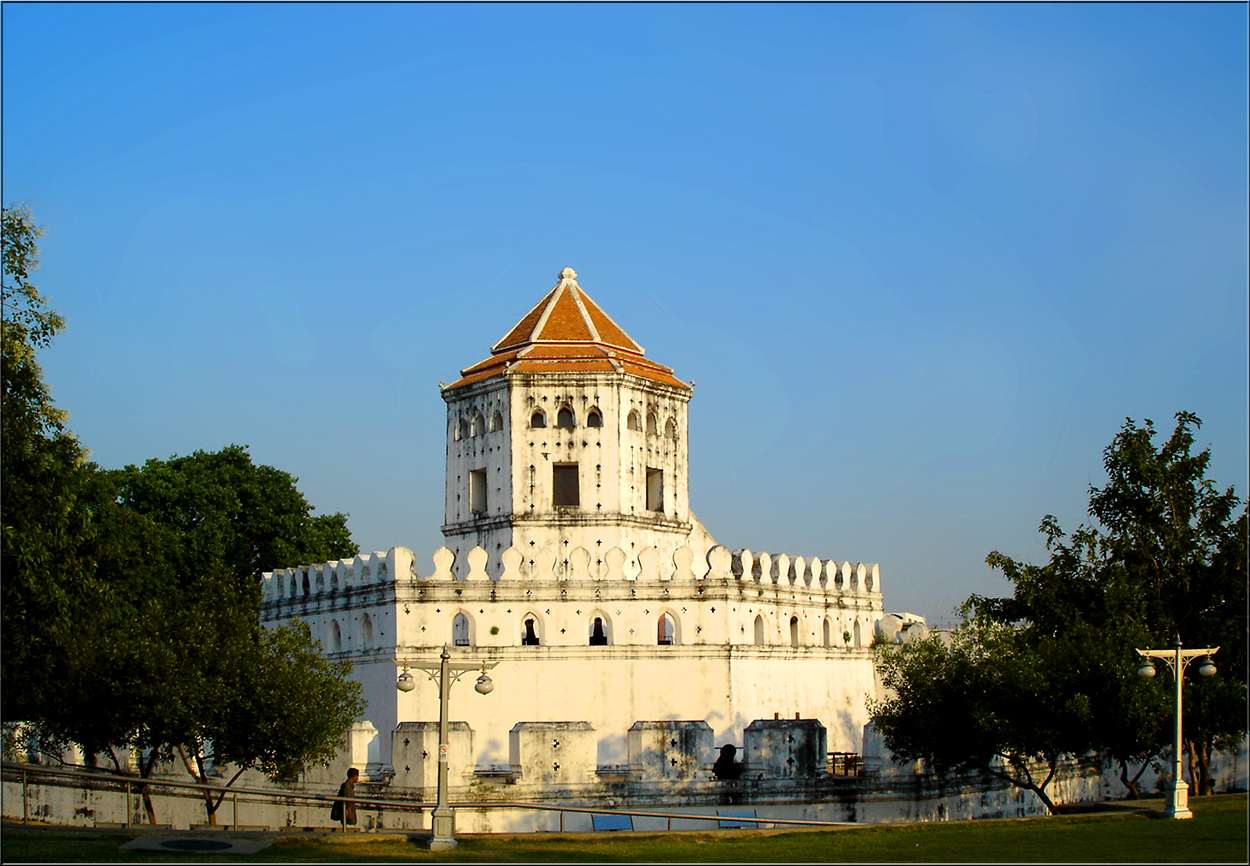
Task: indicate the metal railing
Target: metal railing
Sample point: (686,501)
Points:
(135,784)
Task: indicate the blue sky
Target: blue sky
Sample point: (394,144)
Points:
(920,260)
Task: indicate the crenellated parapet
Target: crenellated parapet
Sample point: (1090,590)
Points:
(398,565)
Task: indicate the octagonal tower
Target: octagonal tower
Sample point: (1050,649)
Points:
(568,436)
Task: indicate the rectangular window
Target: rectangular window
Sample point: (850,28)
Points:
(477,491)
(655,489)
(564,489)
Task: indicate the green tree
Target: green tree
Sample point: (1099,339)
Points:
(985,701)
(130,598)
(225,509)
(1165,557)
(49,489)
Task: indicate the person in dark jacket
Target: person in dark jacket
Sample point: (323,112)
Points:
(726,767)
(344,809)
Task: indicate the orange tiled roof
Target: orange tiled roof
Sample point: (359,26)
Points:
(567,332)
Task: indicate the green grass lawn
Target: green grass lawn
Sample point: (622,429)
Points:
(1218,834)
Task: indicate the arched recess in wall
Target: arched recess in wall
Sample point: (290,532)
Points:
(461,630)
(826,633)
(496,421)
(479,425)
(564,417)
(634,422)
(759,629)
(334,579)
(600,629)
(305,582)
(794,631)
(857,638)
(670,428)
(666,630)
(336,637)
(594,418)
(462,429)
(538,419)
(366,634)
(531,630)
(652,424)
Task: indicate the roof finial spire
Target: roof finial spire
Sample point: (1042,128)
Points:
(568,275)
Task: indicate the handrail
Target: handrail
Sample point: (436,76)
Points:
(219,789)
(408,804)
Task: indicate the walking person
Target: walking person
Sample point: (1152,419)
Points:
(344,808)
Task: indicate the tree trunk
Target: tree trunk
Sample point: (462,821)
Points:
(1130,784)
(1202,781)
(145,771)
(202,778)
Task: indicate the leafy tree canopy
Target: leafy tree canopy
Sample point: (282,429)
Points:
(225,509)
(1166,555)
(130,597)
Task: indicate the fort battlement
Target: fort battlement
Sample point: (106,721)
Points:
(776,571)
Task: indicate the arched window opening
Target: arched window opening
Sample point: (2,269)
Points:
(366,634)
(652,423)
(759,630)
(538,419)
(670,428)
(479,425)
(496,422)
(858,639)
(594,419)
(306,591)
(794,631)
(664,633)
(462,429)
(529,632)
(460,630)
(633,422)
(564,418)
(826,633)
(598,632)
(336,637)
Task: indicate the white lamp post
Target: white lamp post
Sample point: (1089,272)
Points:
(1177,659)
(446,672)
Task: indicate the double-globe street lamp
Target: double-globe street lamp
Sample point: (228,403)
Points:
(444,673)
(1177,659)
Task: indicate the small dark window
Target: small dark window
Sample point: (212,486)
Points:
(538,419)
(594,419)
(598,635)
(655,490)
(564,418)
(564,487)
(664,630)
(477,491)
(794,631)
(460,630)
(530,636)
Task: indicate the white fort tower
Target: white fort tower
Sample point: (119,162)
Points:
(574,563)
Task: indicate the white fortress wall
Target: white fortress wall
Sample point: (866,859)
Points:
(753,636)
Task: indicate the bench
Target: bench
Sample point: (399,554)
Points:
(612,822)
(730,824)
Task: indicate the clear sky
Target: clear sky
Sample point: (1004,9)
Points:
(921,261)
